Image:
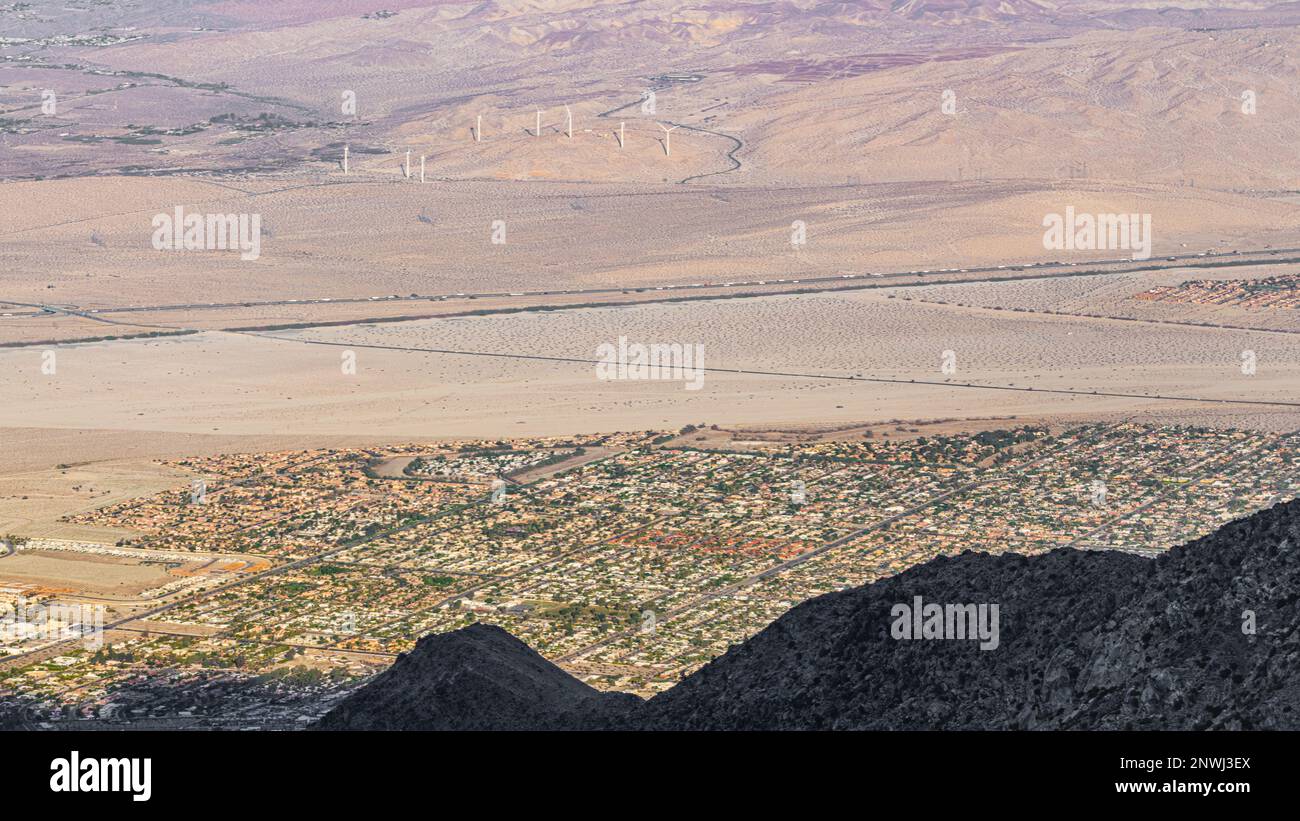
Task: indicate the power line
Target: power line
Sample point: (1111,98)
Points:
(792,374)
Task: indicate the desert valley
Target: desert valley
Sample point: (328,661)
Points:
(626,326)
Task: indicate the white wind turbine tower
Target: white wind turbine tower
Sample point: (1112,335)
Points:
(569,129)
(421,168)
(478,129)
(408,165)
(620,134)
(537,132)
(345,158)
(668,138)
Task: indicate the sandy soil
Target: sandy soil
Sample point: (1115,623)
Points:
(94,575)
(35,495)
(228,384)
(841,129)
(1115,295)
(373,239)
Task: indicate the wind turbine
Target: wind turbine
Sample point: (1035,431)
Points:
(537,132)
(408,165)
(668,138)
(345,159)
(620,134)
(569,129)
(478,129)
(421,168)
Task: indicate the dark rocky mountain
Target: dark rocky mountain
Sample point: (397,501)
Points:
(1086,640)
(476,678)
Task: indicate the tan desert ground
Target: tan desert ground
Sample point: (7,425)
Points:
(843,209)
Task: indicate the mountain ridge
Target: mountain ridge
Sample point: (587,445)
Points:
(1206,636)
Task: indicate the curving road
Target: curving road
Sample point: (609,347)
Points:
(730,155)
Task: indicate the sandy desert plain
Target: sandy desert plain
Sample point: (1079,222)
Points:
(923,227)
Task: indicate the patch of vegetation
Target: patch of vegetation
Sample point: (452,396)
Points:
(327,570)
(262,123)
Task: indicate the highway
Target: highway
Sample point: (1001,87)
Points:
(843,281)
(97,315)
